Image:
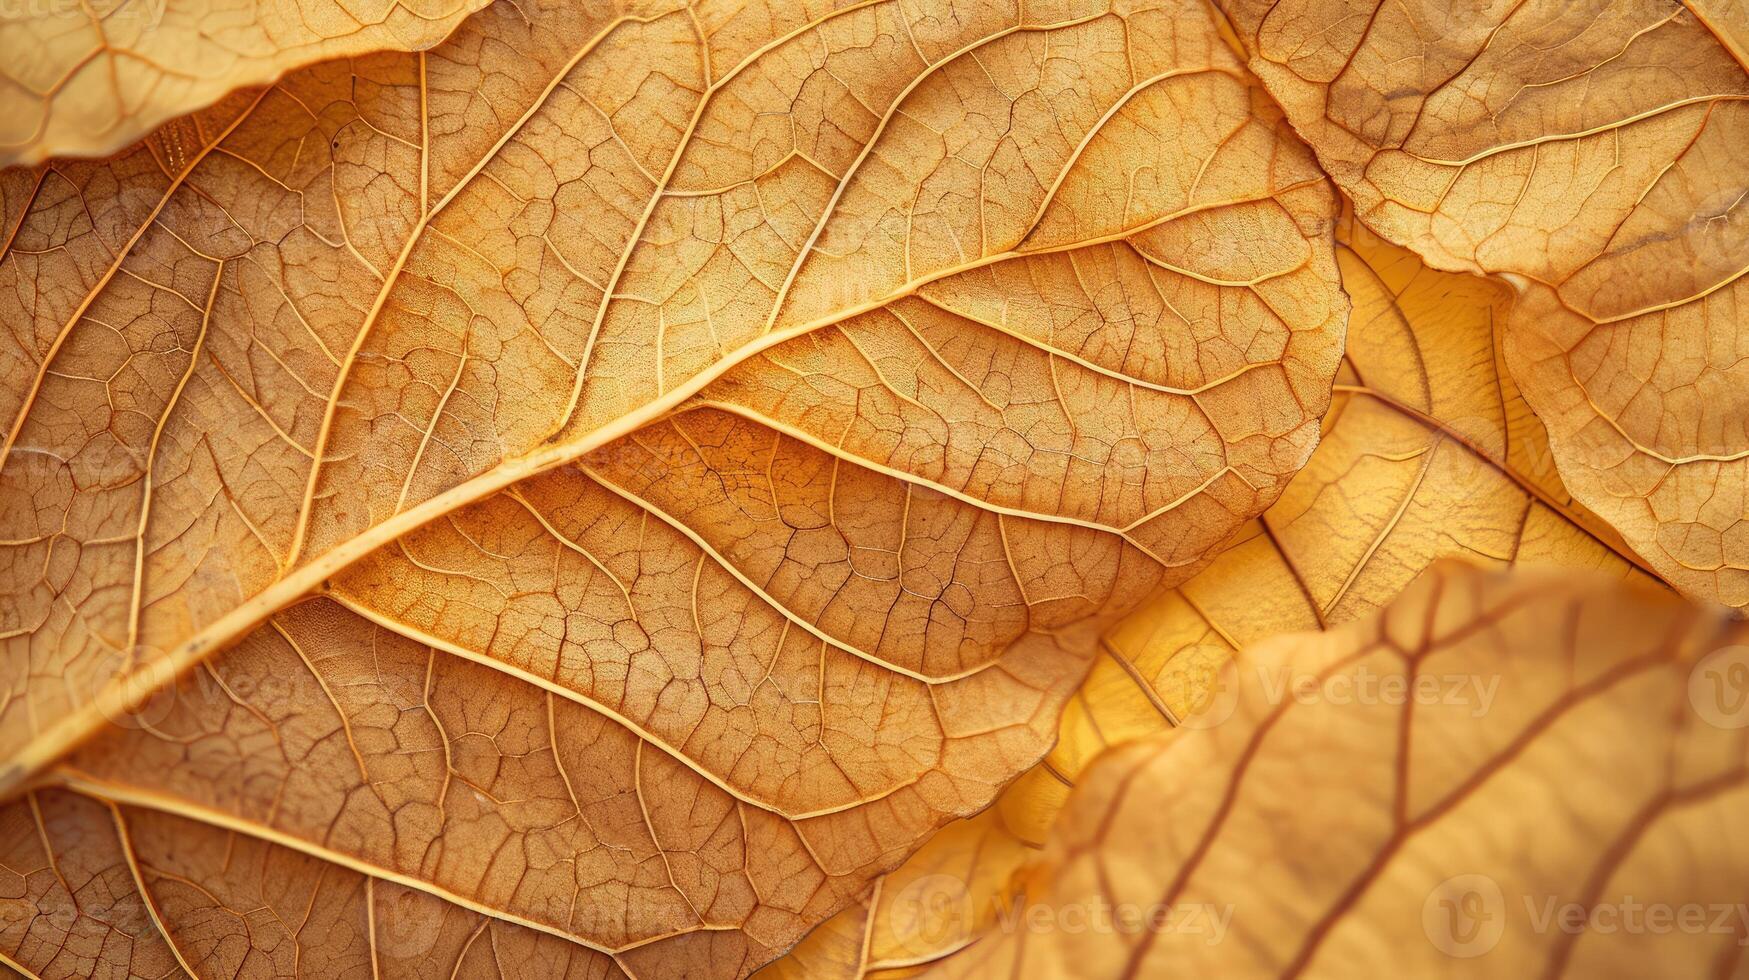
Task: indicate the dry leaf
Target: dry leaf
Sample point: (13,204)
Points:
(659,623)
(1729,21)
(1455,787)
(1597,156)
(78,865)
(940,900)
(88,77)
(1430,452)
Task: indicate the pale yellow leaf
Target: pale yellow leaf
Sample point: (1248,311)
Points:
(1430,453)
(1535,773)
(89,77)
(1596,156)
(1729,20)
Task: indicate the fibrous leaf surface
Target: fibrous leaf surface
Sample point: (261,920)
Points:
(1429,452)
(1595,155)
(1473,833)
(87,78)
(631,473)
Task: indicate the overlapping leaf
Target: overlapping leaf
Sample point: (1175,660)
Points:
(1729,22)
(1491,761)
(1597,156)
(1430,453)
(630,474)
(89,77)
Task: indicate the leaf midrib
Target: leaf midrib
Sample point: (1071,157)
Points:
(113,698)
(76,726)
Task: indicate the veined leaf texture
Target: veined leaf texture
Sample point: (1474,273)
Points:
(1430,454)
(1593,155)
(89,77)
(1561,777)
(527,489)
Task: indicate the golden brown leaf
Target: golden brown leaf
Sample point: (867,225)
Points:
(1595,156)
(735,426)
(1729,21)
(939,901)
(88,77)
(1430,453)
(258,910)
(72,905)
(1533,773)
